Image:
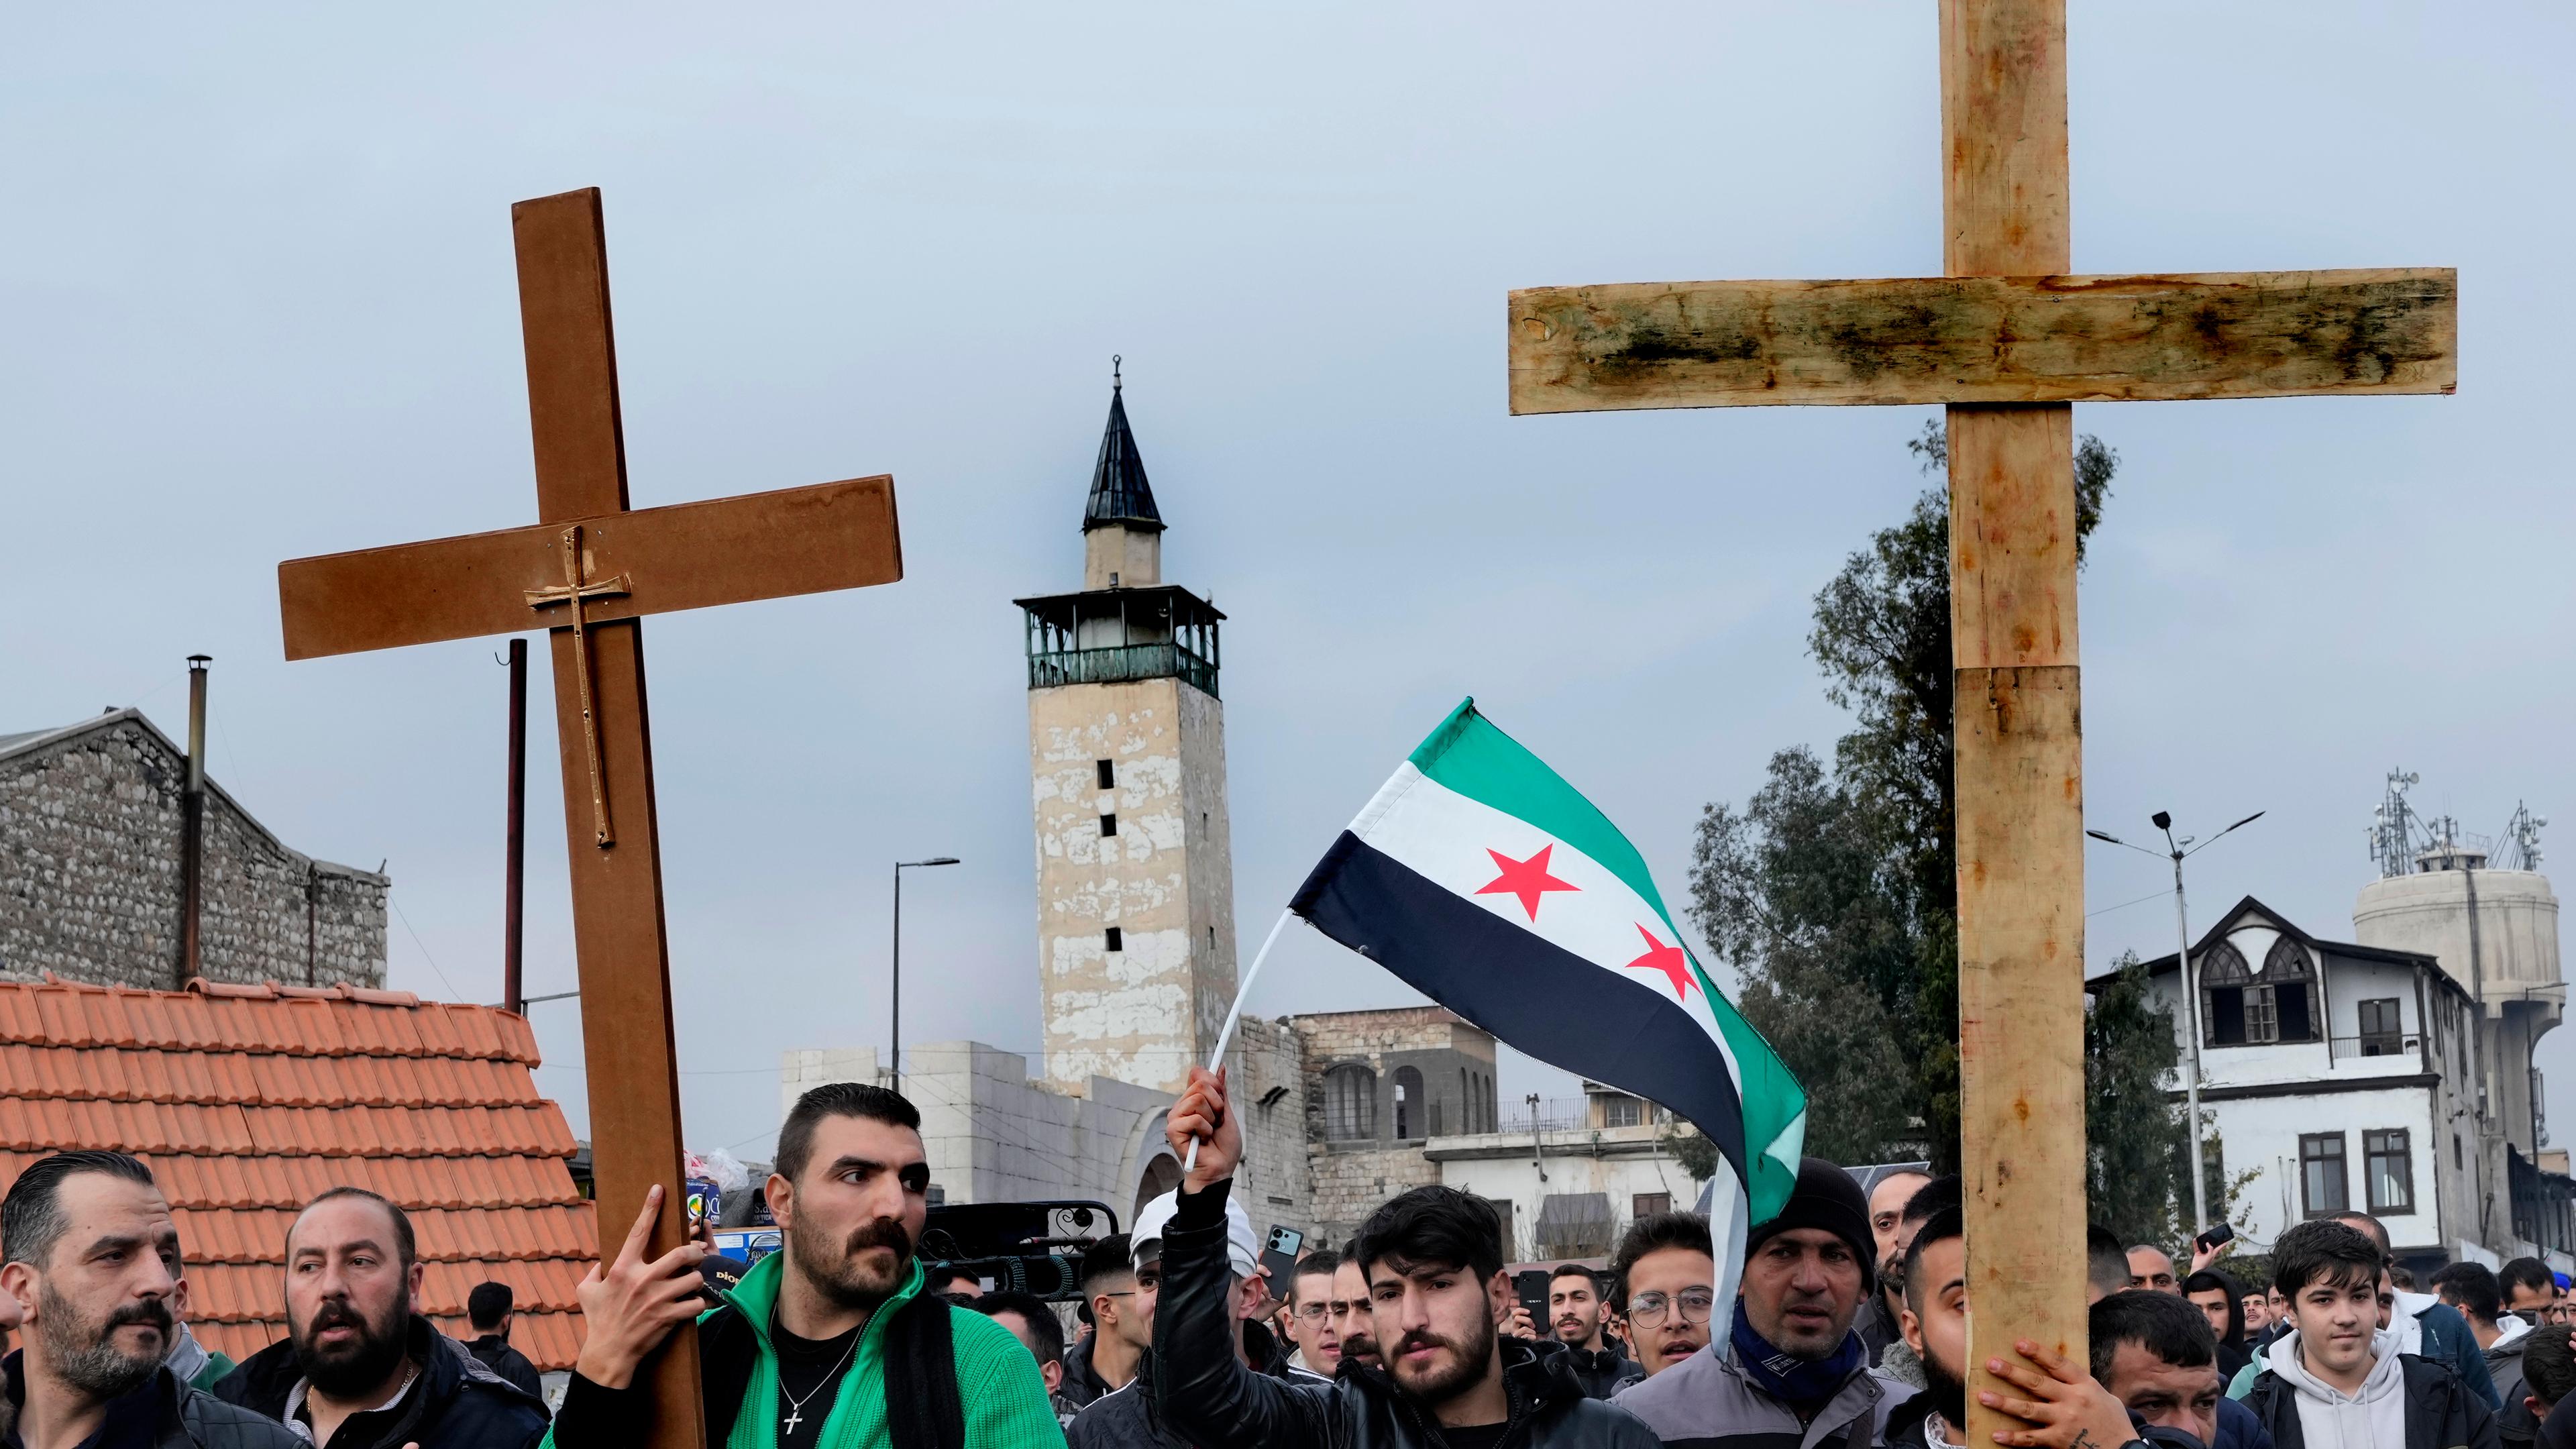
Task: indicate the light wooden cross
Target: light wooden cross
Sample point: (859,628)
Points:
(2007,341)
(588,573)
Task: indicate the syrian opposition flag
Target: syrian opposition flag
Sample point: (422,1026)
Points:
(1485,881)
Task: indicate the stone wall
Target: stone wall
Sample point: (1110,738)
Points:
(1456,1061)
(89,874)
(1265,1081)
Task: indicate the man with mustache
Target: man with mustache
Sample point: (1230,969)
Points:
(1433,1261)
(1577,1316)
(1351,1324)
(360,1367)
(1788,1363)
(830,1343)
(2160,1360)
(89,1257)
(1877,1324)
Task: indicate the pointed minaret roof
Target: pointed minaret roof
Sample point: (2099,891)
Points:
(1119,493)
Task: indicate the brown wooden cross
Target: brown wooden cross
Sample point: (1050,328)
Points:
(2007,341)
(588,573)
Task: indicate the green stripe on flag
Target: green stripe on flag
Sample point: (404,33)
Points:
(1469,754)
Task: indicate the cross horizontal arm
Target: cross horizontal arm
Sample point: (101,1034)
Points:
(1984,339)
(685,556)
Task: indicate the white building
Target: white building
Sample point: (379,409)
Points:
(1567,1177)
(2392,1074)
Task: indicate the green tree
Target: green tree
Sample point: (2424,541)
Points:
(1836,894)
(2135,1144)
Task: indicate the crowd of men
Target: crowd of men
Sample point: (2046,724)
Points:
(1848,1330)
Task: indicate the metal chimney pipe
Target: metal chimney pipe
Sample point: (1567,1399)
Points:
(192,826)
(514,849)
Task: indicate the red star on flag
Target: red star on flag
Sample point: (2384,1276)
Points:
(1670,960)
(1527,879)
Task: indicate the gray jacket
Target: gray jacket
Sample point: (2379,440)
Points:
(182,1417)
(1706,1402)
(2514,1422)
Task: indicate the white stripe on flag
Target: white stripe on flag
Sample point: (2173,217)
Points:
(1447,838)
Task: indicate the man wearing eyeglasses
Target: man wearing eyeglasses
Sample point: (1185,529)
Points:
(1310,1316)
(1787,1366)
(1659,1282)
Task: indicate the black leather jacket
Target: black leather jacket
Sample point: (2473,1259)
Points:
(1216,1403)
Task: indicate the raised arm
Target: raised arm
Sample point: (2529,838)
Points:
(1201,1386)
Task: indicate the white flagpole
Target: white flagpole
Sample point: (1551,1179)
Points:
(1234,1014)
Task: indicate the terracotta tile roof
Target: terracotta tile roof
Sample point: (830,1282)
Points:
(250,1100)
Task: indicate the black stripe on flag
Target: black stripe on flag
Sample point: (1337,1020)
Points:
(1526,990)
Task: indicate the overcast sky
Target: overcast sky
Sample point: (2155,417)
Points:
(257,301)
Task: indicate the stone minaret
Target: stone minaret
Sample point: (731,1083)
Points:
(1127,771)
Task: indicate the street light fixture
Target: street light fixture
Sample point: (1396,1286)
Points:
(894,1019)
(2177,850)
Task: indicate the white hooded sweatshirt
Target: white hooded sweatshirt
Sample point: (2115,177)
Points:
(2375,1418)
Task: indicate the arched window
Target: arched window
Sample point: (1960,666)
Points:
(2289,978)
(1350,1103)
(2224,978)
(1410,1119)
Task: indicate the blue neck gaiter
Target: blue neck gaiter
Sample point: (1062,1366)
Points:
(1802,1383)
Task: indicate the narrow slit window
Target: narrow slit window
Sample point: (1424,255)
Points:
(1117,939)
(1109,824)
(1108,770)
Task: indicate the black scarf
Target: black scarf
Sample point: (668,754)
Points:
(921,1358)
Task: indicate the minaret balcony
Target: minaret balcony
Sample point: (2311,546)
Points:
(1118,636)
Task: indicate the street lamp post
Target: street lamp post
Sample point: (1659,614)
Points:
(2190,994)
(894,1020)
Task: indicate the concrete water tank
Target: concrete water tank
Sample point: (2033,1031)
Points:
(2428,911)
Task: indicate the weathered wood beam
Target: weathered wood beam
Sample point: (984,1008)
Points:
(1999,339)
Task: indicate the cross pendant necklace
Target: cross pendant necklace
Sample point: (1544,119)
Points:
(796,1404)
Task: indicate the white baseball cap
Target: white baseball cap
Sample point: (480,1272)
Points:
(1241,1248)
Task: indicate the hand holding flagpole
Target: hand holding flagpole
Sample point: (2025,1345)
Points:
(1215,1071)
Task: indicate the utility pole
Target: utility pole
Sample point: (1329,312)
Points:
(2176,850)
(894,1017)
(1538,1139)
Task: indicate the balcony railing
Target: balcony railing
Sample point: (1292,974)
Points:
(1121,664)
(1553,1114)
(2374,1044)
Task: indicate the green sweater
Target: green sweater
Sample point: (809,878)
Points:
(998,1383)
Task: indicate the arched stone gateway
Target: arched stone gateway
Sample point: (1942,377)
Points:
(1160,1176)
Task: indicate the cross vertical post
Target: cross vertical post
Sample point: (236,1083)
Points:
(604,567)
(2017,716)
(619,939)
(2006,340)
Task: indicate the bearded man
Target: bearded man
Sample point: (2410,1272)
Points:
(360,1367)
(1432,1259)
(832,1341)
(89,1257)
